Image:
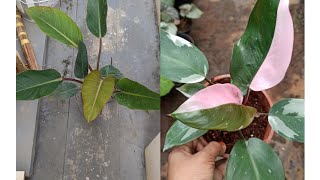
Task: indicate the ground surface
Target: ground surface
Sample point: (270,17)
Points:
(214,33)
(112,146)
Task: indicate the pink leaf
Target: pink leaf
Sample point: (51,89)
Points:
(274,67)
(212,96)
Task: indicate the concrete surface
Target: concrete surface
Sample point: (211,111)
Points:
(26,111)
(215,33)
(111,147)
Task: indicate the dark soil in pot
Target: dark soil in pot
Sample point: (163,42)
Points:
(258,128)
(185,25)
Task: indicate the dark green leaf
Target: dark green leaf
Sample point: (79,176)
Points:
(165,86)
(136,96)
(167,2)
(97,17)
(56,24)
(96,91)
(65,90)
(286,118)
(33,84)
(82,65)
(111,70)
(180,60)
(254,160)
(227,117)
(179,134)
(190,89)
(253,46)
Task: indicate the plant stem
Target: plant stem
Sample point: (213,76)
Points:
(263,114)
(242,135)
(74,80)
(247,96)
(208,80)
(99,53)
(90,68)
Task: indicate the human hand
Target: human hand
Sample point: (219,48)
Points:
(196,161)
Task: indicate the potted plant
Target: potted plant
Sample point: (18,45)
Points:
(234,108)
(178,20)
(97,85)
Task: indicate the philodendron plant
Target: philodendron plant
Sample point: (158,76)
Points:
(259,61)
(98,84)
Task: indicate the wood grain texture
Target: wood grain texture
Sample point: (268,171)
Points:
(20,67)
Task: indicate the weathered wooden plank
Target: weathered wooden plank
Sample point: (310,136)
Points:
(54,113)
(92,150)
(138,59)
(112,147)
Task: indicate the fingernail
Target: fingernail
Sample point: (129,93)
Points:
(222,144)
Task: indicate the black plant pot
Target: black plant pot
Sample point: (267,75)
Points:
(178,3)
(185,36)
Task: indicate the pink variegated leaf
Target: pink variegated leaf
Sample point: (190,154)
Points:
(217,107)
(212,96)
(275,65)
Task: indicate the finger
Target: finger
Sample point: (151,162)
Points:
(212,150)
(188,148)
(203,140)
(198,145)
(220,167)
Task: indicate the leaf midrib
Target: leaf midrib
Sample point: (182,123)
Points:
(95,98)
(41,84)
(99,19)
(73,43)
(139,95)
(255,169)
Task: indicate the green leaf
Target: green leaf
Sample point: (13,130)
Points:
(96,91)
(190,11)
(167,2)
(82,65)
(190,89)
(179,134)
(165,86)
(56,24)
(97,17)
(111,70)
(169,14)
(65,90)
(180,60)
(253,46)
(227,117)
(136,96)
(286,118)
(33,84)
(169,27)
(253,160)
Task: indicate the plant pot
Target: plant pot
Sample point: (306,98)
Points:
(259,100)
(185,36)
(178,3)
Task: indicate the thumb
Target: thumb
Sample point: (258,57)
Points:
(211,151)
